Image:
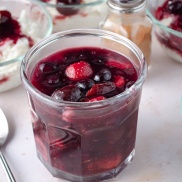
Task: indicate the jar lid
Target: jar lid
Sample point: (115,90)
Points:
(127,5)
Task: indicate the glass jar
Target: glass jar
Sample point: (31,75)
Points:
(128,18)
(85,141)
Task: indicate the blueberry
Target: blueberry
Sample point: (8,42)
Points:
(53,81)
(48,67)
(82,57)
(98,61)
(67,10)
(67,93)
(85,84)
(103,75)
(175,7)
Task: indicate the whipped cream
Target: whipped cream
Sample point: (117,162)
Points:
(9,50)
(167,21)
(87,17)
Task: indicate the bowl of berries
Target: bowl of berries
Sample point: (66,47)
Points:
(22,24)
(72,14)
(167,19)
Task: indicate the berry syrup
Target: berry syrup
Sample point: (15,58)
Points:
(10,29)
(85,72)
(85,142)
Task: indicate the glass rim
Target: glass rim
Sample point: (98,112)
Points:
(49,30)
(92,32)
(160,25)
(95,2)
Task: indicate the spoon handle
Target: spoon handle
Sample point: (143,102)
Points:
(6,168)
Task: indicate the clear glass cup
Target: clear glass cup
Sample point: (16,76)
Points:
(83,141)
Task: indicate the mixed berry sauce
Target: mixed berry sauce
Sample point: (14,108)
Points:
(83,74)
(93,141)
(10,29)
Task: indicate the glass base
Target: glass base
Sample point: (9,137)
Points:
(94,178)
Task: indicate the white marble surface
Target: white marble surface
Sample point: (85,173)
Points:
(158,146)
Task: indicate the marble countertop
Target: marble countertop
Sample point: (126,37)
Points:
(158,146)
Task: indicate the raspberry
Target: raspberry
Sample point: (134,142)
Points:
(119,81)
(118,64)
(79,70)
(98,98)
(101,89)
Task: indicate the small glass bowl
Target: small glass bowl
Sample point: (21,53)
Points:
(170,40)
(38,25)
(88,14)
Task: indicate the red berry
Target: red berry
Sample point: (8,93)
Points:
(119,81)
(98,98)
(177,24)
(118,64)
(79,70)
(5,17)
(159,13)
(101,89)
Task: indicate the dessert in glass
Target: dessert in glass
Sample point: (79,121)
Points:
(129,18)
(19,22)
(72,14)
(84,88)
(167,18)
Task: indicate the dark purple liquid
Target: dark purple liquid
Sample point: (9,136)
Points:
(89,142)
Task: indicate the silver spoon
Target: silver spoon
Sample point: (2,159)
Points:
(4,130)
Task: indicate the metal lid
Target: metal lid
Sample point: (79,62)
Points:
(127,5)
